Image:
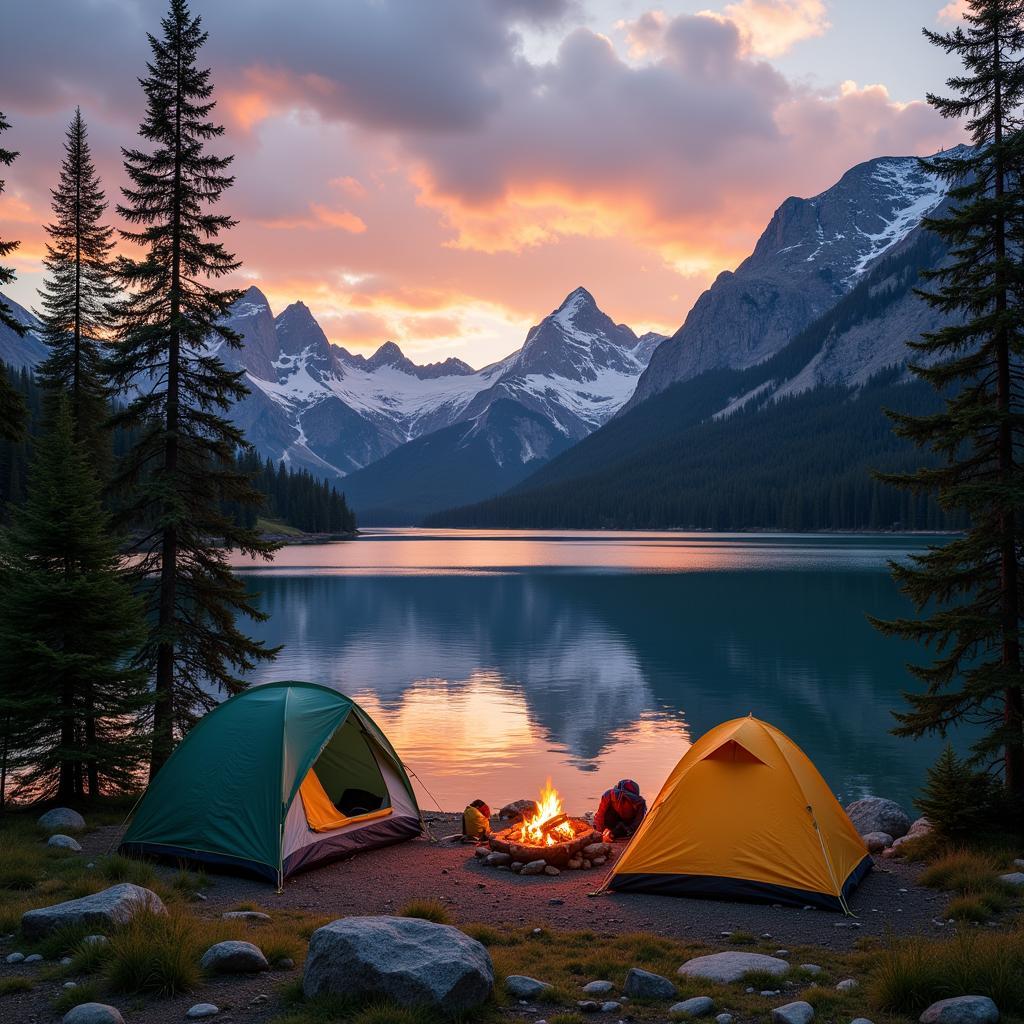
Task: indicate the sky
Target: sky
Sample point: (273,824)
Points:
(441,173)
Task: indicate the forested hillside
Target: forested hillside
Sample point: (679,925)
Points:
(799,463)
(294,498)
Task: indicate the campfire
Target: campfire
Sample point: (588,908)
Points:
(548,840)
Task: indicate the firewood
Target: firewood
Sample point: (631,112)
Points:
(554,822)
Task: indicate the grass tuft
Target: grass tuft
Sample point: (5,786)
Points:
(916,972)
(84,992)
(118,868)
(12,986)
(427,910)
(155,953)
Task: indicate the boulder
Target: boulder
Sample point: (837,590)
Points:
(519,986)
(1014,878)
(201,1011)
(598,988)
(645,985)
(698,1006)
(93,1013)
(234,957)
(518,809)
(961,1010)
(108,908)
(793,1013)
(255,916)
(34,958)
(876,814)
(897,846)
(62,819)
(731,966)
(921,827)
(63,842)
(14,958)
(876,842)
(407,961)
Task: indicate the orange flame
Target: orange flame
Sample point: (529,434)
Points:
(549,806)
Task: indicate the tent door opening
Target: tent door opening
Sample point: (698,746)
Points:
(345,783)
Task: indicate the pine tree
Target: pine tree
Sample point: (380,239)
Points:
(967,593)
(69,703)
(957,799)
(182,469)
(12,409)
(78,291)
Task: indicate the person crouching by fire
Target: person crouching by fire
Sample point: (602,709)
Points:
(476,822)
(621,811)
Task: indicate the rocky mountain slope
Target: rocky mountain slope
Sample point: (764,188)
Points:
(812,253)
(21,351)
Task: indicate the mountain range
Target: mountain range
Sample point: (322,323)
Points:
(816,318)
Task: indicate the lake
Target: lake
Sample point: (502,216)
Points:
(495,659)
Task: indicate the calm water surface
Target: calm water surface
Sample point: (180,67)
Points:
(494,659)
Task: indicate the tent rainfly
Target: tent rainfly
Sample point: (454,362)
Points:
(275,780)
(745,815)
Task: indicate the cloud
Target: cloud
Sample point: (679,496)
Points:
(772,27)
(953,11)
(408,171)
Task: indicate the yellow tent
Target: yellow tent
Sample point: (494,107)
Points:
(745,815)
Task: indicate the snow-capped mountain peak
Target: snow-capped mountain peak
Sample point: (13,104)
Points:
(574,370)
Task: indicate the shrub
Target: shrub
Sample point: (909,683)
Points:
(915,972)
(964,872)
(427,910)
(958,800)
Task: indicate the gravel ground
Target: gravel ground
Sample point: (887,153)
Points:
(382,881)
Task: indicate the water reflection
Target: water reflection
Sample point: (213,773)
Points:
(488,682)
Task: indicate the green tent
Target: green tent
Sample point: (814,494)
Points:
(275,780)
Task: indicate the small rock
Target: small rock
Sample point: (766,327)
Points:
(70,984)
(534,867)
(201,1011)
(921,827)
(698,1006)
(723,1018)
(286,963)
(961,1010)
(61,818)
(810,968)
(596,850)
(234,957)
(588,1006)
(481,852)
(645,985)
(259,1000)
(64,843)
(556,903)
(550,869)
(611,1006)
(793,1013)
(1014,878)
(575,864)
(731,966)
(587,865)
(93,1013)
(861,1020)
(598,988)
(96,940)
(1019,862)
(517,866)
(766,935)
(496,859)
(782,954)
(245,915)
(876,842)
(64,961)
(520,986)
(34,958)
(847,985)
(14,958)
(598,861)
(769,993)
(538,931)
